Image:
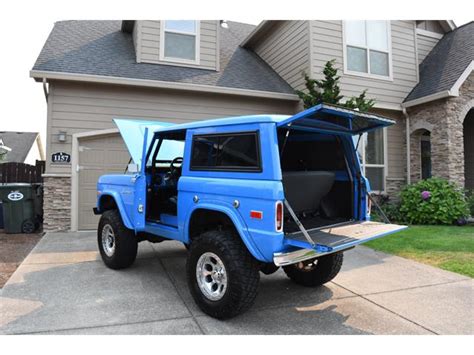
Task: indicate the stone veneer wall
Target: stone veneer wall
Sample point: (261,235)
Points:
(56,203)
(444,119)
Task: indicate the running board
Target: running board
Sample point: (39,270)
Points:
(332,239)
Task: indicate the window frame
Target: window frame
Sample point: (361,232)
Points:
(364,165)
(239,169)
(196,34)
(367,49)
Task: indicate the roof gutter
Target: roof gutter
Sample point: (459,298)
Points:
(102,79)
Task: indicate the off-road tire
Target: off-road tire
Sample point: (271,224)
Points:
(242,272)
(126,243)
(325,269)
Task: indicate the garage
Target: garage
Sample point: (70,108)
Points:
(98,155)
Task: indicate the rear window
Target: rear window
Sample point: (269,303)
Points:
(226,152)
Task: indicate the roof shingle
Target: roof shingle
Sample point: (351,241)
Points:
(443,66)
(101,48)
(20,144)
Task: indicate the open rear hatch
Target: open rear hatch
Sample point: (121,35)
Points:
(306,244)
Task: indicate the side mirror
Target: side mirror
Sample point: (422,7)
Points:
(133,168)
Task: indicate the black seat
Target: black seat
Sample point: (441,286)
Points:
(305,189)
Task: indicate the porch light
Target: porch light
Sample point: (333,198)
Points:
(62,136)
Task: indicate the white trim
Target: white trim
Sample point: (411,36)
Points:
(74,171)
(457,85)
(367,49)
(58,175)
(425,99)
(160,84)
(422,32)
(197,44)
(417,66)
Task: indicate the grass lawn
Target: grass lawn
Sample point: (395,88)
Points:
(447,247)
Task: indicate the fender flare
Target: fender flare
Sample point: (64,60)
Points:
(118,201)
(236,219)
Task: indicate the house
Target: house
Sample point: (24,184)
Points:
(21,147)
(419,72)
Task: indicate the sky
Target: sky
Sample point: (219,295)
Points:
(22,99)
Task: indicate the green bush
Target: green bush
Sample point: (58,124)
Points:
(433,201)
(470,201)
(391,209)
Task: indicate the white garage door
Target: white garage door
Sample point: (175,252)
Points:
(97,156)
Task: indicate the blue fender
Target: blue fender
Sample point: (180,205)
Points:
(236,219)
(120,205)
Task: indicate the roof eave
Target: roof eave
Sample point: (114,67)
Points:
(49,75)
(255,32)
(452,92)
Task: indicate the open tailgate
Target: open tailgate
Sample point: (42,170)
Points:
(331,239)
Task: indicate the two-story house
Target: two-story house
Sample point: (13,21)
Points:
(419,72)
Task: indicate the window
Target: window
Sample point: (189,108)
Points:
(180,41)
(234,151)
(425,143)
(372,157)
(367,48)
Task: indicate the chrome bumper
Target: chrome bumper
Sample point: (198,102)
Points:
(293,257)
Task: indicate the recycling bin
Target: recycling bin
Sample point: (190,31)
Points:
(22,206)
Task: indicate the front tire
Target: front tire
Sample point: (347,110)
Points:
(315,272)
(222,275)
(117,244)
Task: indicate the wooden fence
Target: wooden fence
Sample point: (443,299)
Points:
(20,172)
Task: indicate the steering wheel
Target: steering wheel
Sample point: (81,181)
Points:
(177,160)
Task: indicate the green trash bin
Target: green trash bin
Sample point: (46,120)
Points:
(21,204)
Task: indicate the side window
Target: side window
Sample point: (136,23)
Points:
(226,152)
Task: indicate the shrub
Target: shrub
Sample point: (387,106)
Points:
(470,201)
(433,201)
(391,210)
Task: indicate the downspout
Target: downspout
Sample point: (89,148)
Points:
(407,129)
(45,89)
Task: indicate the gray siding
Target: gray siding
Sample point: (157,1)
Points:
(82,107)
(148,49)
(286,50)
(424,44)
(327,44)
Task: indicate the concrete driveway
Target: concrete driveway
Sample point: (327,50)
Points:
(63,287)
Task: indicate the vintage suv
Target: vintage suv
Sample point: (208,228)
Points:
(244,194)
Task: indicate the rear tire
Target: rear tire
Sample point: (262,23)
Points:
(222,275)
(117,244)
(315,272)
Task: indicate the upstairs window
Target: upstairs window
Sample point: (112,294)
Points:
(180,41)
(367,48)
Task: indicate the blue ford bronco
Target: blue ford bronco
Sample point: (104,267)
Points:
(245,195)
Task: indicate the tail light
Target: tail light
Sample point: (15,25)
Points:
(279,216)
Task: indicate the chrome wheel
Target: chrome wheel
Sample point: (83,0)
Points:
(211,276)
(108,240)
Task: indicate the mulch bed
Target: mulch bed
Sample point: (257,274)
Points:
(14,248)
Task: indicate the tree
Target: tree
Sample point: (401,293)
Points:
(328,91)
